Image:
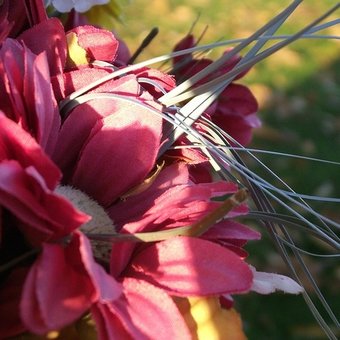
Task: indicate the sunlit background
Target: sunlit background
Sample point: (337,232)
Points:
(298,90)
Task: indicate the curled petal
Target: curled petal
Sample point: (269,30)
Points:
(267,283)
(191,266)
(99,44)
(44,215)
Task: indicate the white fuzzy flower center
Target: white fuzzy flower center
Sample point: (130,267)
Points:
(100,222)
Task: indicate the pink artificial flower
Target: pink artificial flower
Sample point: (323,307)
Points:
(235,109)
(105,148)
(47,221)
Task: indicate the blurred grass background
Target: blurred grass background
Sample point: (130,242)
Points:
(298,90)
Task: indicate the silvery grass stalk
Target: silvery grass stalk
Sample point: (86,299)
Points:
(228,161)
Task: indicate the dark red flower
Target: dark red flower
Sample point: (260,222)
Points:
(236,107)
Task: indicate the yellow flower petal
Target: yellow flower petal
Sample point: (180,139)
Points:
(206,319)
(76,54)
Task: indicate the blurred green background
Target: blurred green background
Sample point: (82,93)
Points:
(298,90)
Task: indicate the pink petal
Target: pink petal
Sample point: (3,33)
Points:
(153,312)
(44,214)
(11,84)
(235,104)
(120,257)
(41,102)
(173,175)
(146,312)
(70,140)
(49,37)
(56,295)
(236,99)
(165,81)
(108,289)
(17,144)
(111,325)
(98,43)
(121,150)
(171,197)
(72,81)
(231,230)
(191,266)
(27,93)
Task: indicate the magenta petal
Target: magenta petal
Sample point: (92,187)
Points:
(236,99)
(56,295)
(12,68)
(187,42)
(165,81)
(99,44)
(17,144)
(44,214)
(108,289)
(120,257)
(41,102)
(48,36)
(231,230)
(57,290)
(112,326)
(27,96)
(121,150)
(146,312)
(191,266)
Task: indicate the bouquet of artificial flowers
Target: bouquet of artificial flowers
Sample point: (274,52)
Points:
(118,190)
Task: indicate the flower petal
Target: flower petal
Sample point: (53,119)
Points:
(17,144)
(56,295)
(235,112)
(190,266)
(208,320)
(121,150)
(44,215)
(99,44)
(146,312)
(27,96)
(267,283)
(49,37)
(230,230)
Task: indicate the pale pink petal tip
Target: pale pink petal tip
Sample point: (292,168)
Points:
(267,283)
